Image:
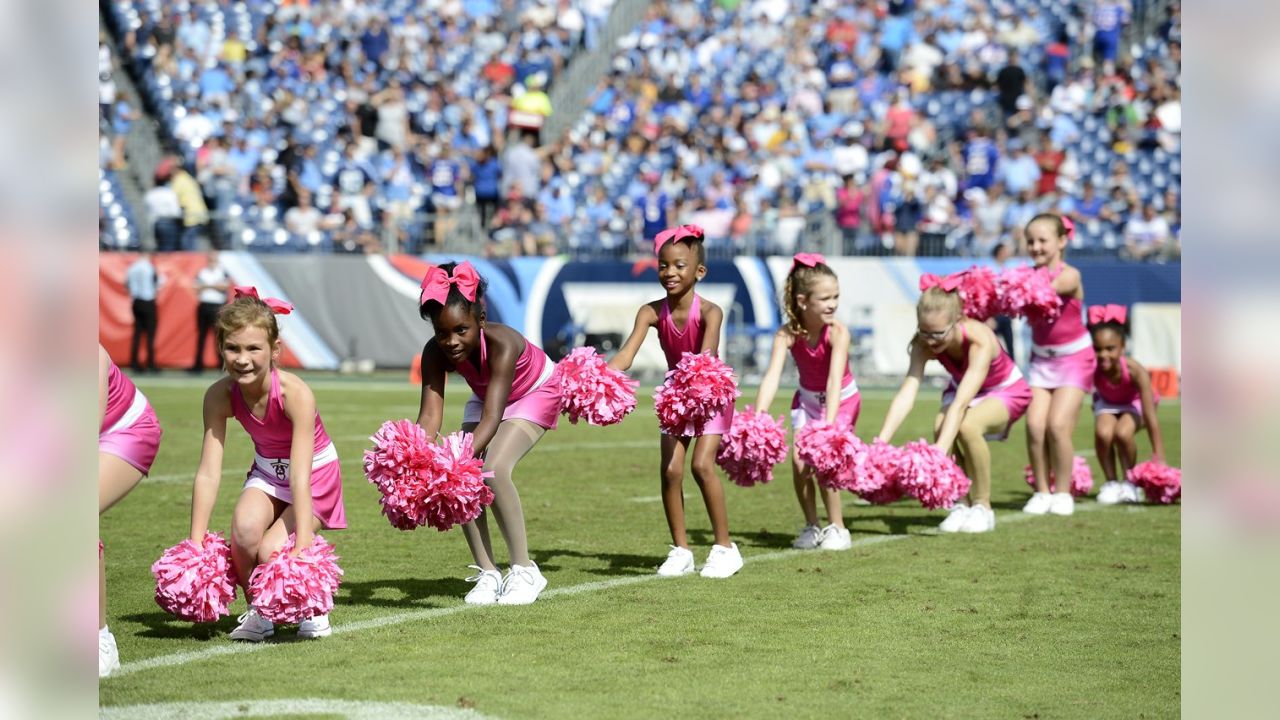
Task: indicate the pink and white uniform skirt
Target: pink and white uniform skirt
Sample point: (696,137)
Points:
(1013,392)
(135,437)
(271,476)
(1102,407)
(540,406)
(1068,365)
(808,406)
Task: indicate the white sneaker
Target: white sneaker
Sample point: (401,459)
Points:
(1062,504)
(253,627)
(1038,504)
(522,585)
(316,627)
(809,538)
(679,562)
(108,655)
(722,561)
(955,519)
(1131,493)
(1112,492)
(979,519)
(488,587)
(835,538)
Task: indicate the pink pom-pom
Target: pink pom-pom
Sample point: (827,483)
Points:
(1027,292)
(196,583)
(590,389)
(288,589)
(754,444)
(930,475)
(398,464)
(978,292)
(874,472)
(829,449)
(1081,477)
(423,483)
(1161,483)
(699,388)
(457,493)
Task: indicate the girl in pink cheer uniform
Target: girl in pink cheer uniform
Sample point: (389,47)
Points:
(987,394)
(819,344)
(295,483)
(686,323)
(1124,400)
(511,407)
(128,439)
(1062,365)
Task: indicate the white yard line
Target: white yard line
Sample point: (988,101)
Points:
(235,648)
(350,709)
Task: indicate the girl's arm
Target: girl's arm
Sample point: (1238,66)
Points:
(645,319)
(431,408)
(1148,393)
(906,397)
(217,408)
(777,358)
(712,319)
(982,351)
(502,372)
(104,371)
(1067,282)
(839,337)
(300,408)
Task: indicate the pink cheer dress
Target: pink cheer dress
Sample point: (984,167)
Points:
(129,429)
(1062,349)
(1117,398)
(272,449)
(532,398)
(675,342)
(810,401)
(1004,381)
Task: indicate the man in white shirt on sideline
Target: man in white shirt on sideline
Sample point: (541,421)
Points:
(211,283)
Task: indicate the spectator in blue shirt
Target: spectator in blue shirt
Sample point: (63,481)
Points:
(375,41)
(980,159)
(143,282)
(1019,170)
(486,180)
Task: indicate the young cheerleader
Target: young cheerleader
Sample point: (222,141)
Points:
(1062,364)
(686,323)
(128,438)
(513,405)
(986,395)
(1123,401)
(295,482)
(820,346)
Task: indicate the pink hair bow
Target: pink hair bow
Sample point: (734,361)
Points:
(1070,227)
(808,260)
(435,286)
(948,283)
(1108,313)
(278,306)
(674,234)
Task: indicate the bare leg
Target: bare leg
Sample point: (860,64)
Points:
(1037,437)
(1126,441)
(1104,432)
(477,531)
(704,472)
(988,416)
(254,514)
(115,479)
(672,474)
(1064,410)
(802,475)
(514,438)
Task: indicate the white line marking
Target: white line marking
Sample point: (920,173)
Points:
(350,709)
(184,658)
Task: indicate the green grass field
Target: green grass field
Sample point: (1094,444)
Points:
(1047,617)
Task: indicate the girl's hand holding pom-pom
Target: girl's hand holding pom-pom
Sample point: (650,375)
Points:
(423,483)
(1027,292)
(754,444)
(700,387)
(875,472)
(196,582)
(929,475)
(591,390)
(288,589)
(1161,483)
(829,449)
(1081,477)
